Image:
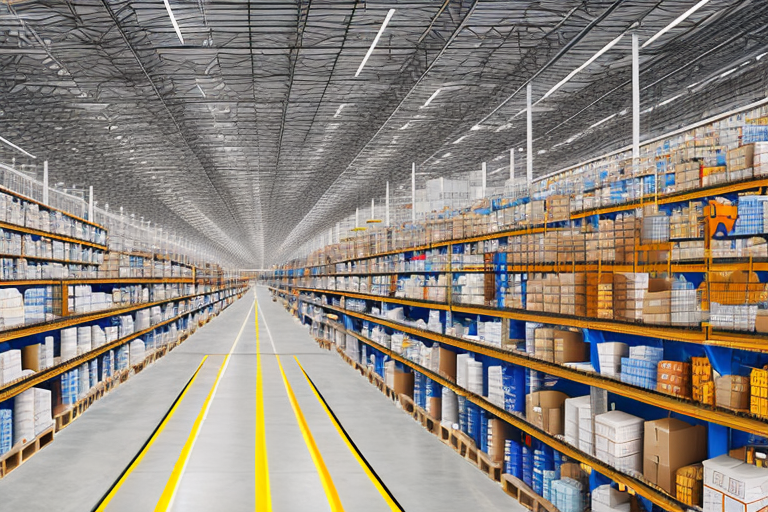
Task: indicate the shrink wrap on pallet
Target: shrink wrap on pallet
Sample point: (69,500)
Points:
(84,380)
(83,339)
(6,430)
(136,352)
(142,320)
(43,418)
(98,336)
(68,343)
(47,353)
(475,377)
(10,366)
(450,407)
(24,417)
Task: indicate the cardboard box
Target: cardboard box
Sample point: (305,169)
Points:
(30,357)
(500,432)
(569,347)
(761,321)
(732,392)
(435,408)
(733,486)
(403,383)
(671,444)
(545,410)
(447,366)
(690,483)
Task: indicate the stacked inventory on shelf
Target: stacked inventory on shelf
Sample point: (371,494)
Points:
(646,283)
(77,319)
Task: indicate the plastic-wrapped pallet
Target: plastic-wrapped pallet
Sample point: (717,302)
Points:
(70,382)
(513,458)
(111,333)
(24,417)
(10,366)
(609,355)
(6,430)
(98,336)
(84,380)
(572,406)
(46,350)
(69,346)
(475,377)
(136,352)
(155,315)
(619,440)
(142,320)
(11,308)
(450,407)
(567,495)
(93,372)
(608,499)
(43,418)
(83,339)
(126,326)
(496,386)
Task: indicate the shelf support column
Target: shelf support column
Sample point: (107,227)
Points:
(635,100)
(45,182)
(386,200)
(529,130)
(90,203)
(413,192)
(485,175)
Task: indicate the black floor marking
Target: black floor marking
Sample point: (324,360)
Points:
(352,443)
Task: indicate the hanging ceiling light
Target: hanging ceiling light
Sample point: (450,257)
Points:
(675,23)
(373,44)
(173,20)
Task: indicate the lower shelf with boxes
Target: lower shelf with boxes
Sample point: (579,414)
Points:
(46,384)
(618,438)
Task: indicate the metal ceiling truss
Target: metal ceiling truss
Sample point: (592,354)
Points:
(254,134)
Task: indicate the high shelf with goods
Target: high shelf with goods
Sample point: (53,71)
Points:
(612,288)
(77,319)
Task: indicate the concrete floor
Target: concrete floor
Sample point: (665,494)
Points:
(74,472)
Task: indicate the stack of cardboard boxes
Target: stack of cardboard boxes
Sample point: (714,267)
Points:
(674,378)
(690,484)
(545,410)
(702,384)
(628,296)
(730,485)
(572,294)
(759,388)
(619,440)
(671,444)
(609,356)
(732,392)
(558,208)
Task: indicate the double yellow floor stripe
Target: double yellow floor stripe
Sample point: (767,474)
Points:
(263,493)
(169,492)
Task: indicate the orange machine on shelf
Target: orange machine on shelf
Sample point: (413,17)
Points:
(719,214)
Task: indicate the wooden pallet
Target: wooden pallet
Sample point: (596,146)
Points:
(406,402)
(445,434)
(525,495)
(466,446)
(489,467)
(20,453)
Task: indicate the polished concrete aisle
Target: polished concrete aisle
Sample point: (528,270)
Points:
(209,454)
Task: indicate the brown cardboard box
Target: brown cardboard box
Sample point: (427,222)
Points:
(671,444)
(761,321)
(435,408)
(500,432)
(569,347)
(447,366)
(403,383)
(732,392)
(545,409)
(30,357)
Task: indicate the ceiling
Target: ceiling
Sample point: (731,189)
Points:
(256,133)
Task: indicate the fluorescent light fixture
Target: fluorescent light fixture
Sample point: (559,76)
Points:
(17,148)
(338,110)
(460,139)
(504,127)
(728,72)
(693,85)
(603,121)
(434,95)
(583,66)
(405,126)
(173,20)
(670,100)
(201,90)
(761,56)
(446,155)
(475,128)
(373,44)
(675,23)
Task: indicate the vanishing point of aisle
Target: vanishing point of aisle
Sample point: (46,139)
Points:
(230,421)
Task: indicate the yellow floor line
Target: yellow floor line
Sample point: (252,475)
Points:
(366,468)
(325,476)
(169,492)
(263,493)
(103,505)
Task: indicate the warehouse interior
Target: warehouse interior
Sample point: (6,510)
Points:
(436,255)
